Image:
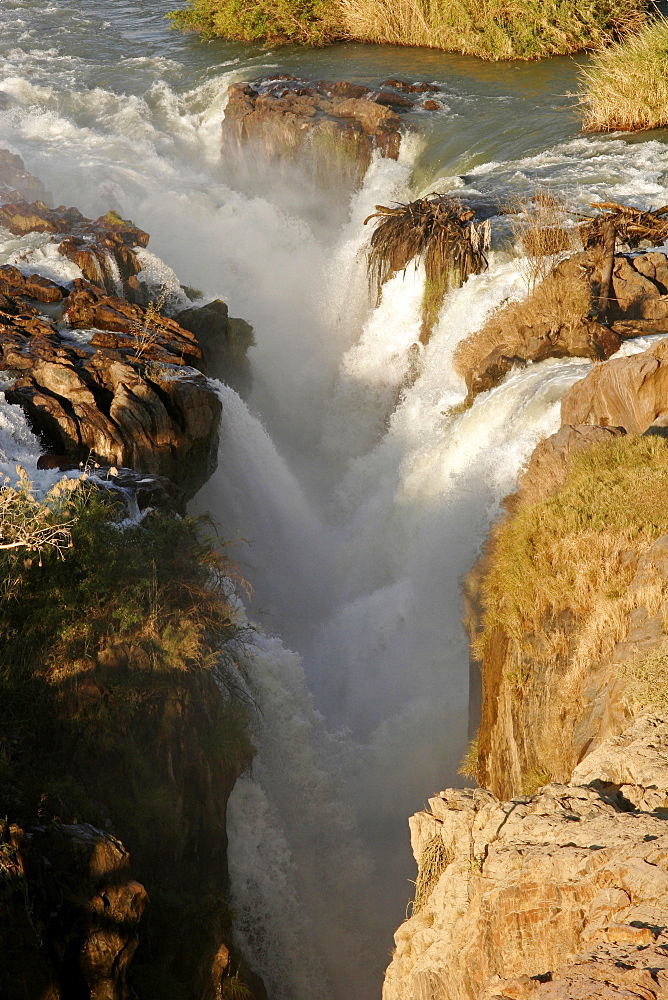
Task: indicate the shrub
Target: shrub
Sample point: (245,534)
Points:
(306,22)
(626,86)
(493,29)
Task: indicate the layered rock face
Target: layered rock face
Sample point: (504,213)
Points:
(102,374)
(329,128)
(638,305)
(560,895)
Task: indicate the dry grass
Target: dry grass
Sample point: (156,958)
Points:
(469,763)
(541,234)
(626,86)
(433,862)
(438,231)
(648,678)
(493,29)
(556,304)
(569,554)
(560,589)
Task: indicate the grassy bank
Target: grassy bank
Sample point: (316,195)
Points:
(626,87)
(490,29)
(110,642)
(567,558)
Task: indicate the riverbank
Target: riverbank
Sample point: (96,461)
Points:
(528,30)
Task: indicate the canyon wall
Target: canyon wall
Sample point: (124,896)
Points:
(550,879)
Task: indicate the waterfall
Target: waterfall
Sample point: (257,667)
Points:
(359,493)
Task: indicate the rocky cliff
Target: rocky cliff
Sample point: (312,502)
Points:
(562,894)
(550,879)
(121,735)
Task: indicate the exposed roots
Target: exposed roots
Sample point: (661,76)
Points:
(437,230)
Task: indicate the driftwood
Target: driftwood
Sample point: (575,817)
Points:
(632,225)
(437,230)
(619,224)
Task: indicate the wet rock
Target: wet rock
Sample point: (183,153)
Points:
(224,342)
(16,180)
(333,128)
(626,392)
(123,398)
(70,913)
(104,248)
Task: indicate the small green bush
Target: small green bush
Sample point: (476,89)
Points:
(626,86)
(306,22)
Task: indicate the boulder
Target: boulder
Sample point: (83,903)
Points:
(70,913)
(626,392)
(224,342)
(332,128)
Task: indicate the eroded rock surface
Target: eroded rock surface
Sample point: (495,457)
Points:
(626,392)
(118,395)
(330,127)
(638,306)
(562,894)
(69,913)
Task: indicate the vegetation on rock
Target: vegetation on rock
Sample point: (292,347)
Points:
(438,232)
(570,551)
(494,29)
(111,666)
(306,22)
(626,86)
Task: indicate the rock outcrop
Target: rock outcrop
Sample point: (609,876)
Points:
(560,895)
(103,249)
(117,396)
(69,913)
(331,128)
(16,181)
(551,323)
(626,392)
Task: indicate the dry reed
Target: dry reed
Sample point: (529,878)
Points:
(626,86)
(437,231)
(557,304)
(492,29)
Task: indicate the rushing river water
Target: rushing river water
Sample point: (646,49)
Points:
(362,505)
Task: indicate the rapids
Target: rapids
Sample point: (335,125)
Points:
(358,504)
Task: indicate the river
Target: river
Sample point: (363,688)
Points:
(360,505)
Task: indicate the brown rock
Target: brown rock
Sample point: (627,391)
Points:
(337,124)
(15,179)
(626,392)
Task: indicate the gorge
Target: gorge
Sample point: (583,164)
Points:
(358,491)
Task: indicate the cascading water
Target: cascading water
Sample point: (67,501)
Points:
(363,494)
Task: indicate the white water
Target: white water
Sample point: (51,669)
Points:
(363,504)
